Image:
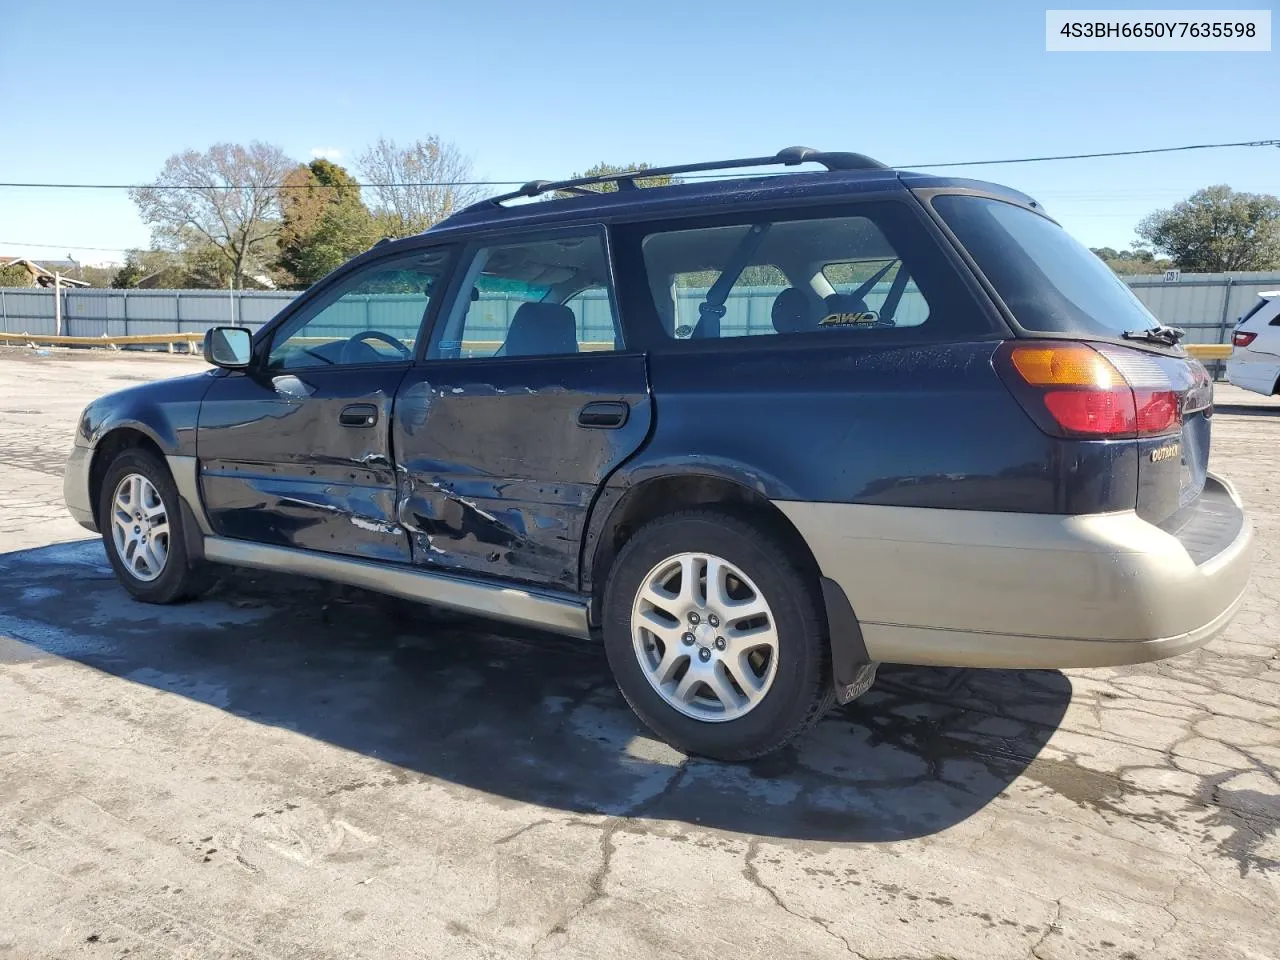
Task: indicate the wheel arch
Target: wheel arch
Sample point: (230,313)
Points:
(114,441)
(659,493)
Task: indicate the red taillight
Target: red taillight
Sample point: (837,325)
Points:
(1158,411)
(1243,339)
(1079,390)
(1102,413)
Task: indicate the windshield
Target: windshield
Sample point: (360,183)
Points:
(1052,283)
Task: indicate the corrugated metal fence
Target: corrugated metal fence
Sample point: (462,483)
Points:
(1206,305)
(116,313)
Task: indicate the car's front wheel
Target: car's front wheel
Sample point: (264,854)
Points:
(142,529)
(715,634)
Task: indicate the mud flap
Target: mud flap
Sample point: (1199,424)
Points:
(852,670)
(192,538)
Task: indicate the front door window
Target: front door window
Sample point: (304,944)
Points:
(372,316)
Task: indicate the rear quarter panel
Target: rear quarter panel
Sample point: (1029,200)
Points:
(914,426)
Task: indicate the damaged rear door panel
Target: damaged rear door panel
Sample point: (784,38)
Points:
(524,404)
(496,472)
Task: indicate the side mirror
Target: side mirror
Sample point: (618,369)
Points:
(228,347)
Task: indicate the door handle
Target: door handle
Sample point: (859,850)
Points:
(358,415)
(604,414)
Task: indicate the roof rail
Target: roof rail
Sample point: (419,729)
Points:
(791,156)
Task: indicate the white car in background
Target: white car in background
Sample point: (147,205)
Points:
(1255,361)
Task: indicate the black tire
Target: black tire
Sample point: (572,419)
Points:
(179,579)
(801,691)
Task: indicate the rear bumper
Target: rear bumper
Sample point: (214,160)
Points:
(1258,372)
(979,589)
(75,487)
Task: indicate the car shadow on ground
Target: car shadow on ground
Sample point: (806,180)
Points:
(524,715)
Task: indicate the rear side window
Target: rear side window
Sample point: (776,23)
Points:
(846,277)
(873,271)
(1050,282)
(1255,310)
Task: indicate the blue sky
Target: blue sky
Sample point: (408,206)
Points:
(541,90)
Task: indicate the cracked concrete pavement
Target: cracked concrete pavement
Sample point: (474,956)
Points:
(291,769)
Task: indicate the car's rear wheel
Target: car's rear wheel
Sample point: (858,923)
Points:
(142,530)
(715,634)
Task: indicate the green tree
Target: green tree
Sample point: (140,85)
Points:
(1131,261)
(226,199)
(196,266)
(603,169)
(1218,229)
(14,275)
(98,276)
(140,264)
(325,223)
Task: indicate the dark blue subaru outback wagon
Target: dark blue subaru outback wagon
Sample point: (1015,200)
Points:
(757,434)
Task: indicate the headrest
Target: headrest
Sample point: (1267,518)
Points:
(538,329)
(791,312)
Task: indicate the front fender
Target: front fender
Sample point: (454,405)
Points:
(166,412)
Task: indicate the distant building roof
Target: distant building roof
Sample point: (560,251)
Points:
(40,272)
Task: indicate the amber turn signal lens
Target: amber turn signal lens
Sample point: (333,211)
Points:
(1069,365)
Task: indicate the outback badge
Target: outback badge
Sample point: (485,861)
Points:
(1167,452)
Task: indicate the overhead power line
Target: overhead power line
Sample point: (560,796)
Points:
(517,183)
(1094,156)
(64,246)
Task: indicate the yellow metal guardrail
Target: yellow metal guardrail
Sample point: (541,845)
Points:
(1209,351)
(115,343)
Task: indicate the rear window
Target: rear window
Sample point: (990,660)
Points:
(1050,282)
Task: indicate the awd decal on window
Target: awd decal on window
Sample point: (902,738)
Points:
(849,319)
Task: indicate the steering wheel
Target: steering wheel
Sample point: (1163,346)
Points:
(404,352)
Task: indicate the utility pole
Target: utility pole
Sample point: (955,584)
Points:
(57,303)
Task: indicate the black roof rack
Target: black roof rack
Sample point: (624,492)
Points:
(791,156)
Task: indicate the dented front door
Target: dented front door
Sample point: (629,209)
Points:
(296,450)
(500,458)
(304,460)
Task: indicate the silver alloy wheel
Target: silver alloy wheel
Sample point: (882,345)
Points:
(705,637)
(140,527)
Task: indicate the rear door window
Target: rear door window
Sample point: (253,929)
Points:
(540,296)
(874,271)
(1049,281)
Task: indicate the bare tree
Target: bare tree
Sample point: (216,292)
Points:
(418,185)
(226,197)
